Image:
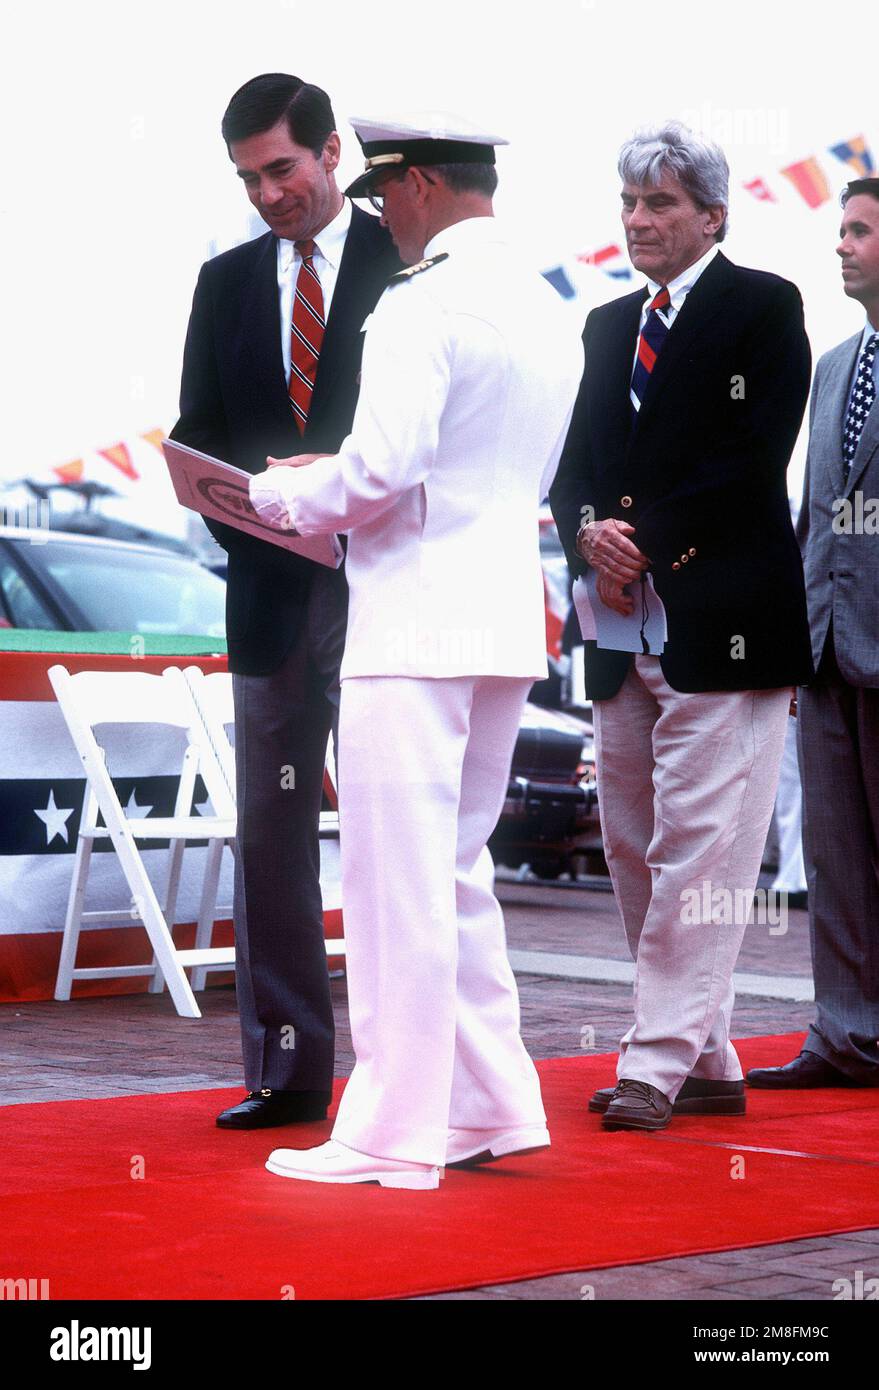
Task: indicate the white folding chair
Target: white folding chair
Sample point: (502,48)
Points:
(212,695)
(93,698)
(213,700)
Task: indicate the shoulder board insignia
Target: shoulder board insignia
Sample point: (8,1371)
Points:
(417,269)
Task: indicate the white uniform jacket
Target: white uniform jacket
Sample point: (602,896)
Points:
(470,372)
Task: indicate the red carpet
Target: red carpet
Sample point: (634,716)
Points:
(207,1221)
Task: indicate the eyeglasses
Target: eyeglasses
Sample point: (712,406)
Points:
(377,197)
(377,200)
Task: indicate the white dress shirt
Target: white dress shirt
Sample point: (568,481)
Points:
(470,372)
(678,289)
(328,247)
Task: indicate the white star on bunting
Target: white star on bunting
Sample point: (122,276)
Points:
(135,812)
(55,820)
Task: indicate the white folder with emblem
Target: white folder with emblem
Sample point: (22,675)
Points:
(221,491)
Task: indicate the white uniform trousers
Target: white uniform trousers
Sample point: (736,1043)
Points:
(423,770)
(686,784)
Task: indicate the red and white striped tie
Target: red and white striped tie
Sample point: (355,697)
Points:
(308,334)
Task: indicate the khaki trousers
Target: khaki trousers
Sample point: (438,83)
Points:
(686,785)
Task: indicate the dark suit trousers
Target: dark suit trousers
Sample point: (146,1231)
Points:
(282,723)
(838,728)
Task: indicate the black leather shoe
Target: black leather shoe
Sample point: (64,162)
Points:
(637,1105)
(696,1097)
(265,1109)
(803,1072)
(794,898)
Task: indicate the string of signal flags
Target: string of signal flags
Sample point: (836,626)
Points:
(119,455)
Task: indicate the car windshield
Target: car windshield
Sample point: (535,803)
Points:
(120,590)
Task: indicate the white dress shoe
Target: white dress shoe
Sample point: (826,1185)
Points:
(483,1145)
(333,1162)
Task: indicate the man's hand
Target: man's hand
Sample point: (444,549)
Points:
(605,545)
(614,595)
(297,461)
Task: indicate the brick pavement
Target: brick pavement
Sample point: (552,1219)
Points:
(132,1044)
(577,922)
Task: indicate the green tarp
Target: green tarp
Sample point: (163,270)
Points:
(109,643)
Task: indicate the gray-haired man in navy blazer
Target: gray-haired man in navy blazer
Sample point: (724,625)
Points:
(838,722)
(271,366)
(691,400)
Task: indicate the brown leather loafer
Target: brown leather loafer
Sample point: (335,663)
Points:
(637,1105)
(696,1097)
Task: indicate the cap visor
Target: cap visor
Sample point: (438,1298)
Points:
(362,187)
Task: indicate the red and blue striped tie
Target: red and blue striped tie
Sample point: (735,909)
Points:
(653,335)
(308,334)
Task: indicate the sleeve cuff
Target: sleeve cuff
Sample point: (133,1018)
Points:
(267,496)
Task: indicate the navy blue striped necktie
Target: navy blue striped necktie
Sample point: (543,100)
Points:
(653,335)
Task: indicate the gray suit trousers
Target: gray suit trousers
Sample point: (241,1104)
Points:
(282,723)
(839,763)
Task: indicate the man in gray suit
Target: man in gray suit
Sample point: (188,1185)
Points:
(839,712)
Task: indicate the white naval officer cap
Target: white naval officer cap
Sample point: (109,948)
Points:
(424,137)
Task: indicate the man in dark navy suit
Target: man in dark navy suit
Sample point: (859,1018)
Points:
(675,464)
(271,367)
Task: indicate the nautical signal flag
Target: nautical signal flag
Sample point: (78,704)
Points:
(609,259)
(809,180)
(856,153)
(559,281)
(155,438)
(70,472)
(761,190)
(118,455)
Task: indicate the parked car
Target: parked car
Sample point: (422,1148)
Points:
(77,507)
(71,583)
(550,814)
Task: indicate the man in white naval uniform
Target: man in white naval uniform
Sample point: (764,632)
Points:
(470,371)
